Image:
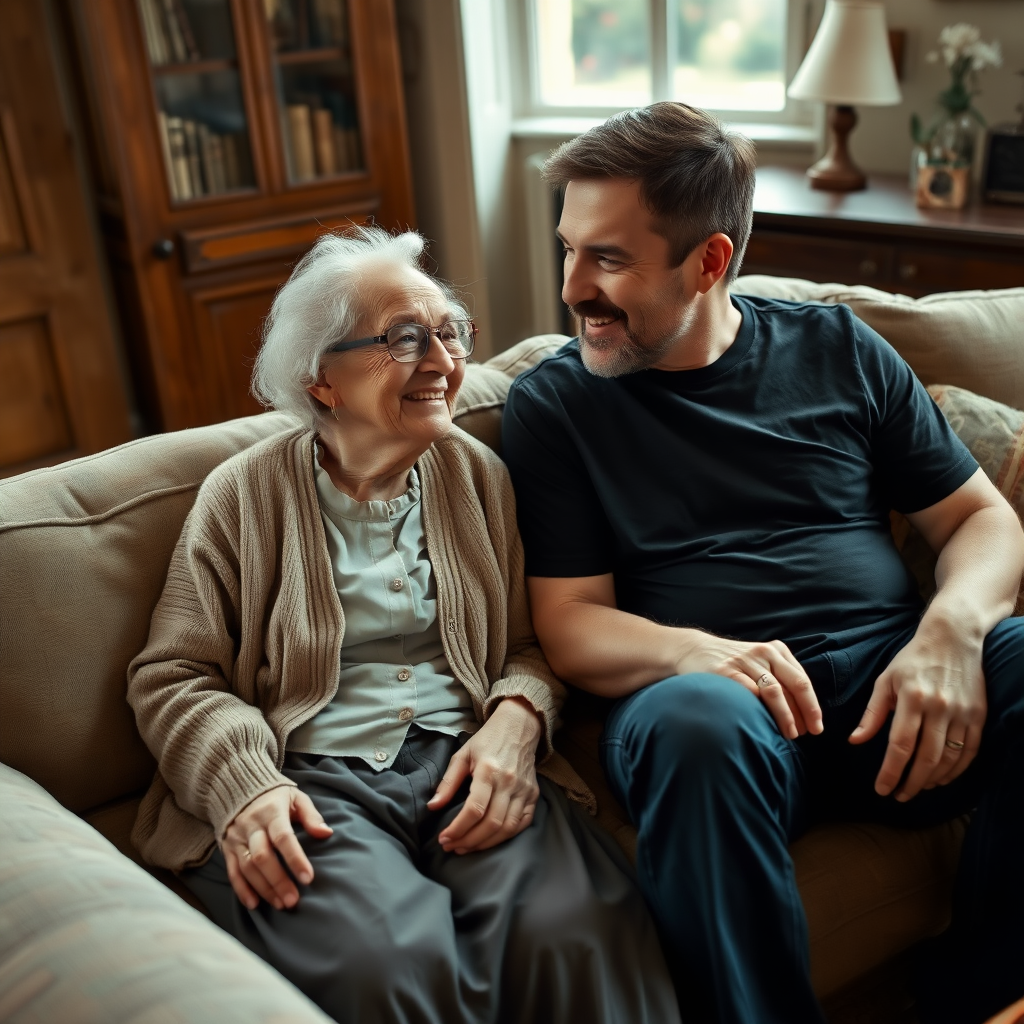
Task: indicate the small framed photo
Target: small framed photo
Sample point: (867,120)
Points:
(1003,177)
(943,186)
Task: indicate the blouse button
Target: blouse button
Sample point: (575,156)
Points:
(397,584)
(405,714)
(404,675)
(380,755)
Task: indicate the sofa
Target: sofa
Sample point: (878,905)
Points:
(89,935)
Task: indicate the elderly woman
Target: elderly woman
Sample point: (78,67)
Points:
(343,644)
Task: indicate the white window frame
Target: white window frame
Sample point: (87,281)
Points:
(802,17)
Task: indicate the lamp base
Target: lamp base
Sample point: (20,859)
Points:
(836,171)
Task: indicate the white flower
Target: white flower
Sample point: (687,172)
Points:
(958,37)
(984,55)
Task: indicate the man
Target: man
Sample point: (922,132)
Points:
(704,483)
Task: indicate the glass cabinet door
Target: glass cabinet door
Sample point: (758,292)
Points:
(204,131)
(311,50)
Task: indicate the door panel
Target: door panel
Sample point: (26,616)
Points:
(61,388)
(228,322)
(33,417)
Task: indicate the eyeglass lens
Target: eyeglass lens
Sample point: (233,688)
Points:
(409,342)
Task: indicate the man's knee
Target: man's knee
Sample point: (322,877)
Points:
(691,719)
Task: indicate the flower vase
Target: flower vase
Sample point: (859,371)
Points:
(944,175)
(954,140)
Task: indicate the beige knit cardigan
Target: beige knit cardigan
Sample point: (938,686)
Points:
(245,642)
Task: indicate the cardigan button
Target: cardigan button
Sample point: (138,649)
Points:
(397,584)
(404,675)
(380,755)
(405,714)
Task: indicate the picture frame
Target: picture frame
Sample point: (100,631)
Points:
(1002,180)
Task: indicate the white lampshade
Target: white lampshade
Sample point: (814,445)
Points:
(849,61)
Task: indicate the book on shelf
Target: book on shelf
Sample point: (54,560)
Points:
(323,143)
(168,32)
(165,148)
(347,150)
(200,161)
(194,159)
(300,140)
(156,45)
(180,178)
(232,162)
(331,20)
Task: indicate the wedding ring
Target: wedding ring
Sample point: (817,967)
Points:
(955,744)
(247,854)
(764,680)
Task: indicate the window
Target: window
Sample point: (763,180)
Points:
(730,56)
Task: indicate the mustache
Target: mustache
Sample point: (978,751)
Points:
(597,309)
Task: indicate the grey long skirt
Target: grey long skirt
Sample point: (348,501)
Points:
(547,927)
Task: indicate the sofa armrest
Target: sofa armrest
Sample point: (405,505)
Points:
(91,937)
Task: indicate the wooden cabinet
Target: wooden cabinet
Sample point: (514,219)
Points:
(879,238)
(227,135)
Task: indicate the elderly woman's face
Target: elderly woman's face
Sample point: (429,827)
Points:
(370,389)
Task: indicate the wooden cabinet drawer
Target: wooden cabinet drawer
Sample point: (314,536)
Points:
(927,270)
(819,259)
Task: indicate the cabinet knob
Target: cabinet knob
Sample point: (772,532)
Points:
(868,268)
(907,271)
(163,249)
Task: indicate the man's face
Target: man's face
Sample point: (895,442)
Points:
(631,305)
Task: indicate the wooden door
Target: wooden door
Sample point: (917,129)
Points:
(62,390)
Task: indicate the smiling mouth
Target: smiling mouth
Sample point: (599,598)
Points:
(600,321)
(425,396)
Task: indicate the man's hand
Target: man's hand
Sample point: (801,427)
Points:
(767,669)
(937,688)
(258,834)
(501,758)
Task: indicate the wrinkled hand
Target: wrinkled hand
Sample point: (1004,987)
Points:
(501,758)
(260,836)
(937,688)
(768,670)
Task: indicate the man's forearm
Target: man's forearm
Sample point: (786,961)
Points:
(610,652)
(977,575)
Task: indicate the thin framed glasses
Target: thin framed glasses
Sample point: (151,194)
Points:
(408,343)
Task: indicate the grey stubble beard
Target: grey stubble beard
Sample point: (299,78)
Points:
(629,356)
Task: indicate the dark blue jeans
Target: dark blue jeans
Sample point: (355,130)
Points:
(717,794)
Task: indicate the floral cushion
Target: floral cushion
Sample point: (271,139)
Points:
(994,433)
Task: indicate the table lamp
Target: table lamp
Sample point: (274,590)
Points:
(849,63)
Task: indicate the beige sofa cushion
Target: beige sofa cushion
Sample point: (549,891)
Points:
(84,549)
(974,340)
(89,937)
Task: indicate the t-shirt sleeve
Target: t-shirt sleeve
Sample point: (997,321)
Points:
(564,529)
(918,458)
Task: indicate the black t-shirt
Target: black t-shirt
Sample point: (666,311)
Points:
(750,497)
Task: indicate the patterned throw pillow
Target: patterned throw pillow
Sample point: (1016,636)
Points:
(994,433)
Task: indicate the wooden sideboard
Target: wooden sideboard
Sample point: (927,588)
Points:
(878,237)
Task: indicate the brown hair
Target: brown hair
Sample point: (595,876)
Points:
(696,177)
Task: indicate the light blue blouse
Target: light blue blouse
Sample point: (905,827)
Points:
(393,670)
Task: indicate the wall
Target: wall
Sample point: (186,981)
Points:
(437,107)
(882,141)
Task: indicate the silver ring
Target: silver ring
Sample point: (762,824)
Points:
(764,680)
(247,852)
(955,744)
